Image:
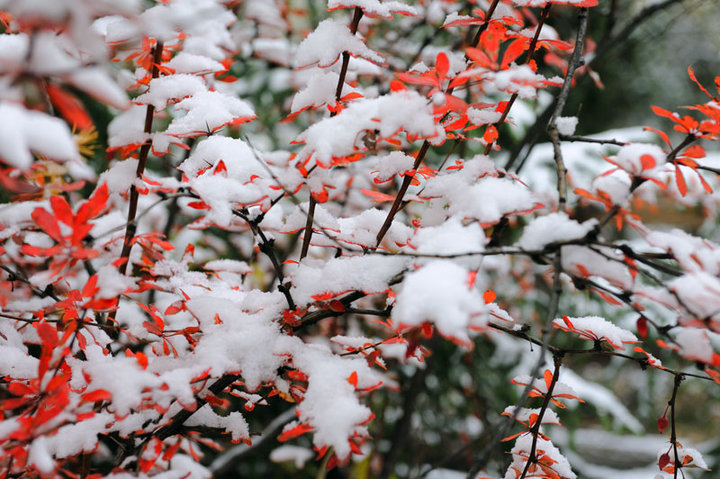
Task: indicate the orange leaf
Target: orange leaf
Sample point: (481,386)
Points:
(489,296)
(96,396)
(491,134)
(353,379)
(69,107)
(442,65)
(548,378)
(647,162)
(377,196)
(62,209)
(680,180)
(47,222)
(294,432)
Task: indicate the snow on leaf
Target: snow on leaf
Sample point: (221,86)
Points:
(207,112)
(687,456)
(550,228)
(595,328)
(340,136)
(338,275)
(375,8)
(25,131)
(319,91)
(172,87)
(328,41)
(550,463)
(438,293)
(604,262)
(487,199)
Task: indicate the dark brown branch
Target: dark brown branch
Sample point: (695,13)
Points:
(588,139)
(266,246)
(535,430)
(307,235)
(142,159)
(673,432)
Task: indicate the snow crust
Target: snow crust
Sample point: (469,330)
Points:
(551,228)
(455,308)
(328,41)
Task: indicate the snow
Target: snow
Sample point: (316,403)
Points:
(98,83)
(319,91)
(390,165)
(206,112)
(454,308)
(693,253)
(299,456)
(699,293)
(172,87)
(486,200)
(547,453)
(630,158)
(600,261)
(26,131)
(233,423)
(450,237)
(120,176)
(341,135)
(127,127)
(551,228)
(596,328)
(330,405)
(185,62)
(483,116)
(338,275)
(328,41)
(566,125)
(373,8)
(697,344)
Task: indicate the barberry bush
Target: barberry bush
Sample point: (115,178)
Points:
(261,237)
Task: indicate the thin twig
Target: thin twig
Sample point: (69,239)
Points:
(307,235)
(535,430)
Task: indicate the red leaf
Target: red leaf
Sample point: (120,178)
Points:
(294,432)
(353,379)
(69,107)
(516,48)
(96,396)
(377,196)
(62,209)
(647,162)
(396,85)
(90,287)
(691,73)
(680,180)
(48,334)
(548,378)
(664,113)
(336,306)
(94,205)
(642,327)
(442,65)
(491,134)
(660,133)
(694,151)
(489,296)
(21,389)
(664,461)
(48,223)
